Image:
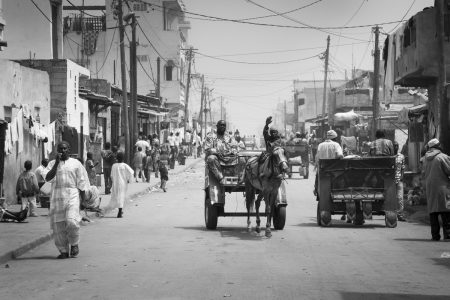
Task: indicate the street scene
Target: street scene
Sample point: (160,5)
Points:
(243,149)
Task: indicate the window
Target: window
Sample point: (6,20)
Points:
(7,111)
(140,6)
(170,16)
(169,70)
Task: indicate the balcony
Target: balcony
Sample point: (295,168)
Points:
(415,49)
(79,24)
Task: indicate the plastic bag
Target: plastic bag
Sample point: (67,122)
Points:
(46,189)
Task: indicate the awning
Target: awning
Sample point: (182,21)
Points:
(152,112)
(418,109)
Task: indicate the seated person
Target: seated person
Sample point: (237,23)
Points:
(218,149)
(271,136)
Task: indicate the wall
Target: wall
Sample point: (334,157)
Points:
(21,85)
(27,30)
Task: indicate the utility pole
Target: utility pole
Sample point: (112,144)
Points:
(221,107)
(442,102)
(188,83)
(376,81)
(285,119)
(200,115)
(125,123)
(133,83)
(158,93)
(324,103)
(205,110)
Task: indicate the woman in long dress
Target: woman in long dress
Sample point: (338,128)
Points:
(121,174)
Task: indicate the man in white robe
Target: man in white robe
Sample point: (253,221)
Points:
(121,174)
(69,182)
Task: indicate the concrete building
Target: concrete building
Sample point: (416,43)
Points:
(311,94)
(93,41)
(66,105)
(27,89)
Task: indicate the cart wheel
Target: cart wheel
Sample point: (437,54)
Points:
(211,214)
(279,217)
(390,218)
(325,218)
(319,223)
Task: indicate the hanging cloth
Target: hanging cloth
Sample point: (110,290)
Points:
(20,131)
(8,144)
(14,133)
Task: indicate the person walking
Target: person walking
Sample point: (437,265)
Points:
(155,154)
(399,171)
(138,162)
(90,168)
(27,188)
(107,164)
(436,166)
(162,164)
(147,164)
(69,183)
(121,174)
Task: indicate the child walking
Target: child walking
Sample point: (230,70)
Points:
(27,188)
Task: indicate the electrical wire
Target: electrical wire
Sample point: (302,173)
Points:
(81,10)
(284,13)
(403,18)
(213,18)
(257,63)
(145,71)
(34,3)
(107,54)
(302,23)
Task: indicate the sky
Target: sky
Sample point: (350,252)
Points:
(253,66)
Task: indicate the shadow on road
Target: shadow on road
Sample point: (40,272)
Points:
(233,232)
(414,240)
(379,296)
(43,257)
(442,262)
(341,224)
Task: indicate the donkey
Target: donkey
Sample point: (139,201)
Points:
(264,173)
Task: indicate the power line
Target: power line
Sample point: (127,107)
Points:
(107,54)
(145,71)
(258,63)
(302,23)
(146,37)
(284,13)
(213,18)
(32,1)
(403,18)
(287,50)
(81,10)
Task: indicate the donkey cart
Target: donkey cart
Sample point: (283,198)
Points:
(233,172)
(358,187)
(297,155)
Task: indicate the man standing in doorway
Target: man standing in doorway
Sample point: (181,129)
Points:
(69,183)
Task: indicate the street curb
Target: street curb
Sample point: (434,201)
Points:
(13,254)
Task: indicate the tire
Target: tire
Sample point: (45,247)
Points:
(325,218)
(279,217)
(211,215)
(390,218)
(319,222)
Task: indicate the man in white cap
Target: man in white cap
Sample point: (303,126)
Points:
(328,149)
(436,171)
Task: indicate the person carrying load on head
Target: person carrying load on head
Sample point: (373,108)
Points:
(218,149)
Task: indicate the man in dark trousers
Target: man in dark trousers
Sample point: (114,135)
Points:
(436,171)
(108,158)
